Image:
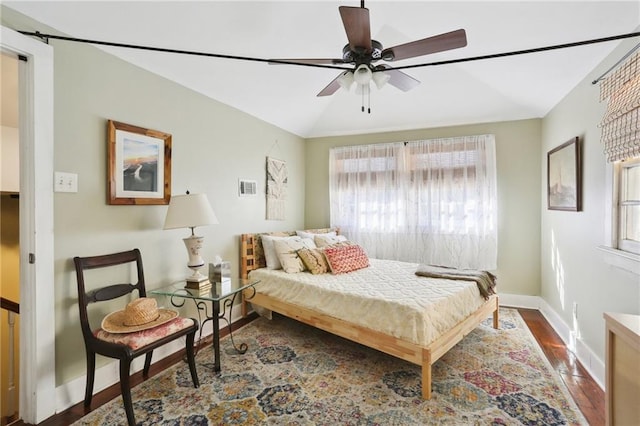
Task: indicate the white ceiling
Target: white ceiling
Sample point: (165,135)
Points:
(517,87)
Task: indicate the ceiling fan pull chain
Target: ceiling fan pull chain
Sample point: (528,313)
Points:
(369,99)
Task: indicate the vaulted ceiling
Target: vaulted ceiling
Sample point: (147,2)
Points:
(509,88)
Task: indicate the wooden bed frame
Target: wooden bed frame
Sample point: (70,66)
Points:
(425,356)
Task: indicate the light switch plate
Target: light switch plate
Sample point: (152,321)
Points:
(65,182)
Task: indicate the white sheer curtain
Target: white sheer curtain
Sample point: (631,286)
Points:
(430,201)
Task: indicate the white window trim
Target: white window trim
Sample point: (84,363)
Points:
(625,245)
(611,255)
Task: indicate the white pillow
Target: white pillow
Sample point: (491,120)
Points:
(323,240)
(270,254)
(305,234)
(287,252)
(269,251)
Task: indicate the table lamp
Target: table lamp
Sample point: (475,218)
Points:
(189,211)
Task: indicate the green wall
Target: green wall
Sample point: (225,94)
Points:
(213,146)
(518,163)
(573,270)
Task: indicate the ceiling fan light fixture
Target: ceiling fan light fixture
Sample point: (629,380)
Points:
(346,80)
(362,75)
(380,79)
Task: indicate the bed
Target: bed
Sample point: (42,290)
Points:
(422,318)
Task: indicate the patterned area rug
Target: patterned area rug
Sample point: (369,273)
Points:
(293,374)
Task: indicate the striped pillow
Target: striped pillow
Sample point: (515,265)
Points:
(347,258)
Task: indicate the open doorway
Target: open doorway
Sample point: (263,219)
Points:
(37,391)
(9,240)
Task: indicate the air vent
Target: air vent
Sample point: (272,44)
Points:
(247,188)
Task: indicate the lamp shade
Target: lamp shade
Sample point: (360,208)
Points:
(189,211)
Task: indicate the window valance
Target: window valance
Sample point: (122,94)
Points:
(621,122)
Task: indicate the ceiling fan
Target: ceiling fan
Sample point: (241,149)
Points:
(363,53)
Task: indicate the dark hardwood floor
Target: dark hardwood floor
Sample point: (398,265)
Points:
(585,391)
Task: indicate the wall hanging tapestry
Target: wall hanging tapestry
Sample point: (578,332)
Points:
(276,188)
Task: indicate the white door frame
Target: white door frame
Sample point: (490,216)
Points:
(37,301)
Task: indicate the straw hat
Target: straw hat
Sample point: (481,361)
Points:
(140,314)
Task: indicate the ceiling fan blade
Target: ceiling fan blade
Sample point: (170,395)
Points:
(399,79)
(356,24)
(306,61)
(331,87)
(426,46)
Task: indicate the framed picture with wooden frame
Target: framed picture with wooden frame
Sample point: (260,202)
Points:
(139,165)
(564,177)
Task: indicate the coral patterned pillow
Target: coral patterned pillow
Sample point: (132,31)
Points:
(343,259)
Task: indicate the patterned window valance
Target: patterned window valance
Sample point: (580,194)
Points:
(621,122)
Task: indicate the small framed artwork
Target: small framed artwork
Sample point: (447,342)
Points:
(564,176)
(139,165)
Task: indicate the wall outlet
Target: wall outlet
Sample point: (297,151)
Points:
(65,182)
(574,335)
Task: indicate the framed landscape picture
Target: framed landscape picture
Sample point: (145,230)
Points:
(564,177)
(139,165)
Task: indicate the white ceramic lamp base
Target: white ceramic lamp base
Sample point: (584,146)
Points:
(193,245)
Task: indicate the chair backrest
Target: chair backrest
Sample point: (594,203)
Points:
(109,291)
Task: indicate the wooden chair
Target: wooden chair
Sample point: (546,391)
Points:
(125,347)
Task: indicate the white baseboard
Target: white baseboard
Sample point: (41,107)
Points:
(72,392)
(519,301)
(589,360)
(585,355)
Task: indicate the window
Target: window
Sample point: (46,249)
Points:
(627,189)
(620,134)
(431,201)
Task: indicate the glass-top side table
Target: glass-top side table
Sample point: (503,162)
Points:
(218,296)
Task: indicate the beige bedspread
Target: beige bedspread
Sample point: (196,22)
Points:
(387,296)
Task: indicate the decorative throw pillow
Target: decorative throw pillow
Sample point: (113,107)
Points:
(343,259)
(259,254)
(287,252)
(308,234)
(323,240)
(314,260)
(270,254)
